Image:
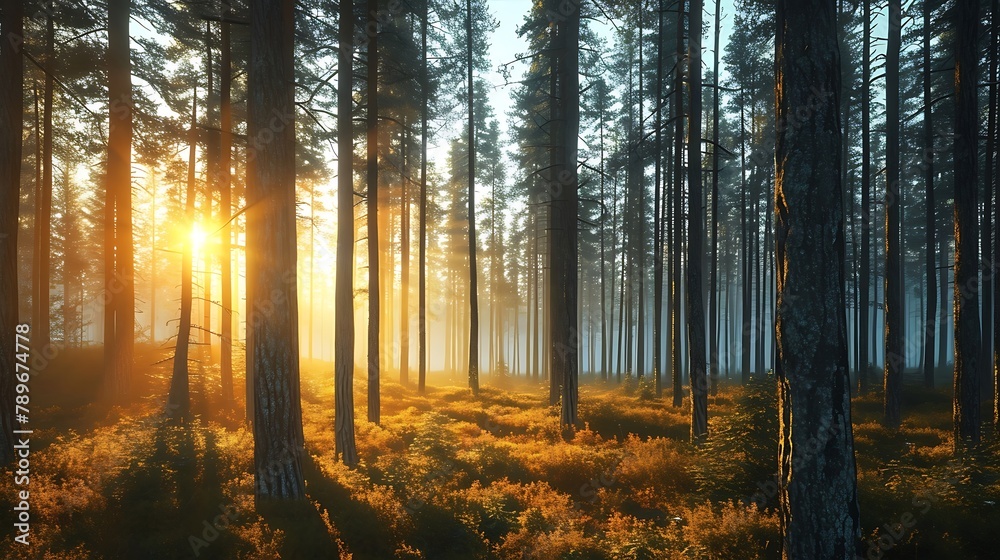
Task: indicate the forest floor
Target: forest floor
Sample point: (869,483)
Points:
(449,477)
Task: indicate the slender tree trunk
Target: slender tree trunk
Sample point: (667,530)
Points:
(866,209)
(894,356)
(930,223)
(41,338)
(344,341)
(422,288)
(713,369)
(374,292)
(966,299)
(639,179)
(747,281)
(404,241)
(944,315)
(677,212)
(696,229)
(11,122)
(226,210)
(657,201)
(179,399)
(990,267)
(992,150)
(818,493)
(473,268)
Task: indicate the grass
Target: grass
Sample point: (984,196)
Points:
(446,476)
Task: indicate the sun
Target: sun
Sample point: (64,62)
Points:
(198,237)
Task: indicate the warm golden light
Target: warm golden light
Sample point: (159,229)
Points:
(198,237)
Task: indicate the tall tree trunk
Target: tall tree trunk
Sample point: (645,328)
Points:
(696,229)
(966,299)
(894,356)
(990,267)
(404,241)
(563,238)
(473,268)
(818,489)
(424,95)
(41,338)
(271,248)
(713,368)
(677,212)
(374,293)
(179,399)
(639,179)
(344,342)
(120,309)
(226,204)
(657,201)
(747,281)
(866,209)
(11,121)
(930,223)
(211,185)
(992,150)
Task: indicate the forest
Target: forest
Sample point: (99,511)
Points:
(499,279)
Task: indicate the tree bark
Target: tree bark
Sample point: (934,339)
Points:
(118,200)
(344,320)
(271,251)
(374,293)
(677,213)
(179,399)
(818,490)
(713,369)
(894,354)
(566,346)
(11,122)
(422,288)
(866,210)
(473,268)
(226,204)
(696,230)
(930,223)
(966,295)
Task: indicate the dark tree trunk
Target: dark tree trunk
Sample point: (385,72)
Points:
(179,399)
(747,281)
(422,288)
(11,121)
(930,223)
(374,293)
(696,229)
(966,302)
(894,356)
(713,369)
(818,490)
(271,252)
(118,248)
(657,201)
(226,204)
(866,210)
(992,150)
(404,242)
(344,336)
(566,347)
(990,267)
(473,268)
(41,336)
(677,213)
